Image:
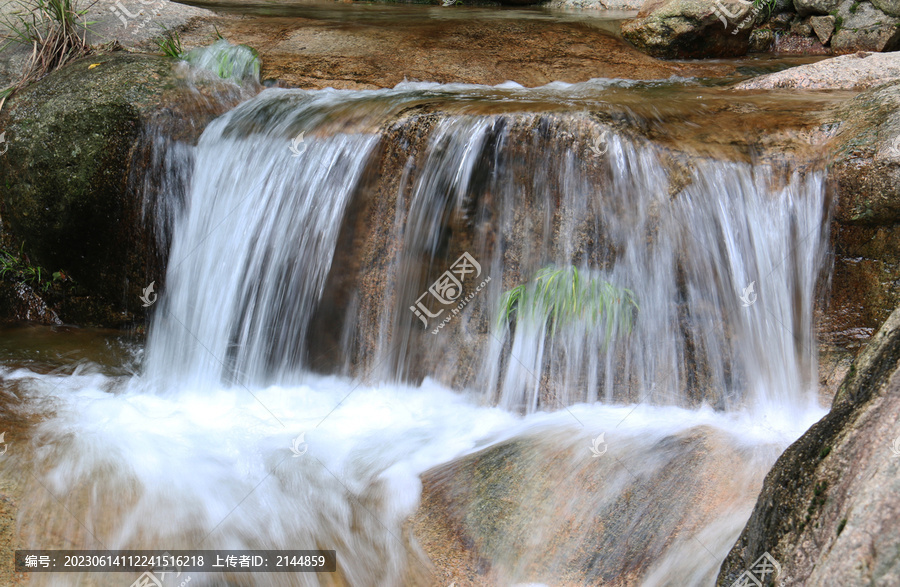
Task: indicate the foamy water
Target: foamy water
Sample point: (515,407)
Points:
(141,467)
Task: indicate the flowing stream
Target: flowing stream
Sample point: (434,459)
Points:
(313,225)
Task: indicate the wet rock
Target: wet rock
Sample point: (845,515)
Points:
(864,171)
(679,29)
(73,176)
(761,40)
(781,21)
(823,26)
(866,157)
(316,54)
(543,509)
(19,302)
(829,511)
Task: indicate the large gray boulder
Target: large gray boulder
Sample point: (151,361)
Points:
(863,27)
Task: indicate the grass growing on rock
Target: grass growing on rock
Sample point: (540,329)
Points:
(55,29)
(170,44)
(562,296)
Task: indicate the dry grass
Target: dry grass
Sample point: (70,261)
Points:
(55,30)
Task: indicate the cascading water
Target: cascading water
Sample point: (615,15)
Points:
(287,224)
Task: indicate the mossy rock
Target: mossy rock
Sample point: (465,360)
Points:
(78,147)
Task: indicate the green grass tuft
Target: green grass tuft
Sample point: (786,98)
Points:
(562,296)
(170,44)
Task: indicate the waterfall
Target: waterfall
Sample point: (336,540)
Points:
(334,281)
(723,269)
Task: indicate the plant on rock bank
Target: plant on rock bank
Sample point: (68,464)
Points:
(56,31)
(18,269)
(562,296)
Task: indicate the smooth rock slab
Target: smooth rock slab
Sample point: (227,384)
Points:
(847,72)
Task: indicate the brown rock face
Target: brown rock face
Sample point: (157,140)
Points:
(828,511)
(865,172)
(313,53)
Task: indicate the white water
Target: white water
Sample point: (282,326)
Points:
(195,451)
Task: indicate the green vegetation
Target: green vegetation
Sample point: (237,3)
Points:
(562,296)
(231,62)
(854,7)
(170,44)
(18,269)
(56,31)
(841,525)
(826,450)
(769,5)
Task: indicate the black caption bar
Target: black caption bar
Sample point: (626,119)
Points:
(176,561)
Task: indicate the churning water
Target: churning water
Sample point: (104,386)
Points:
(304,205)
